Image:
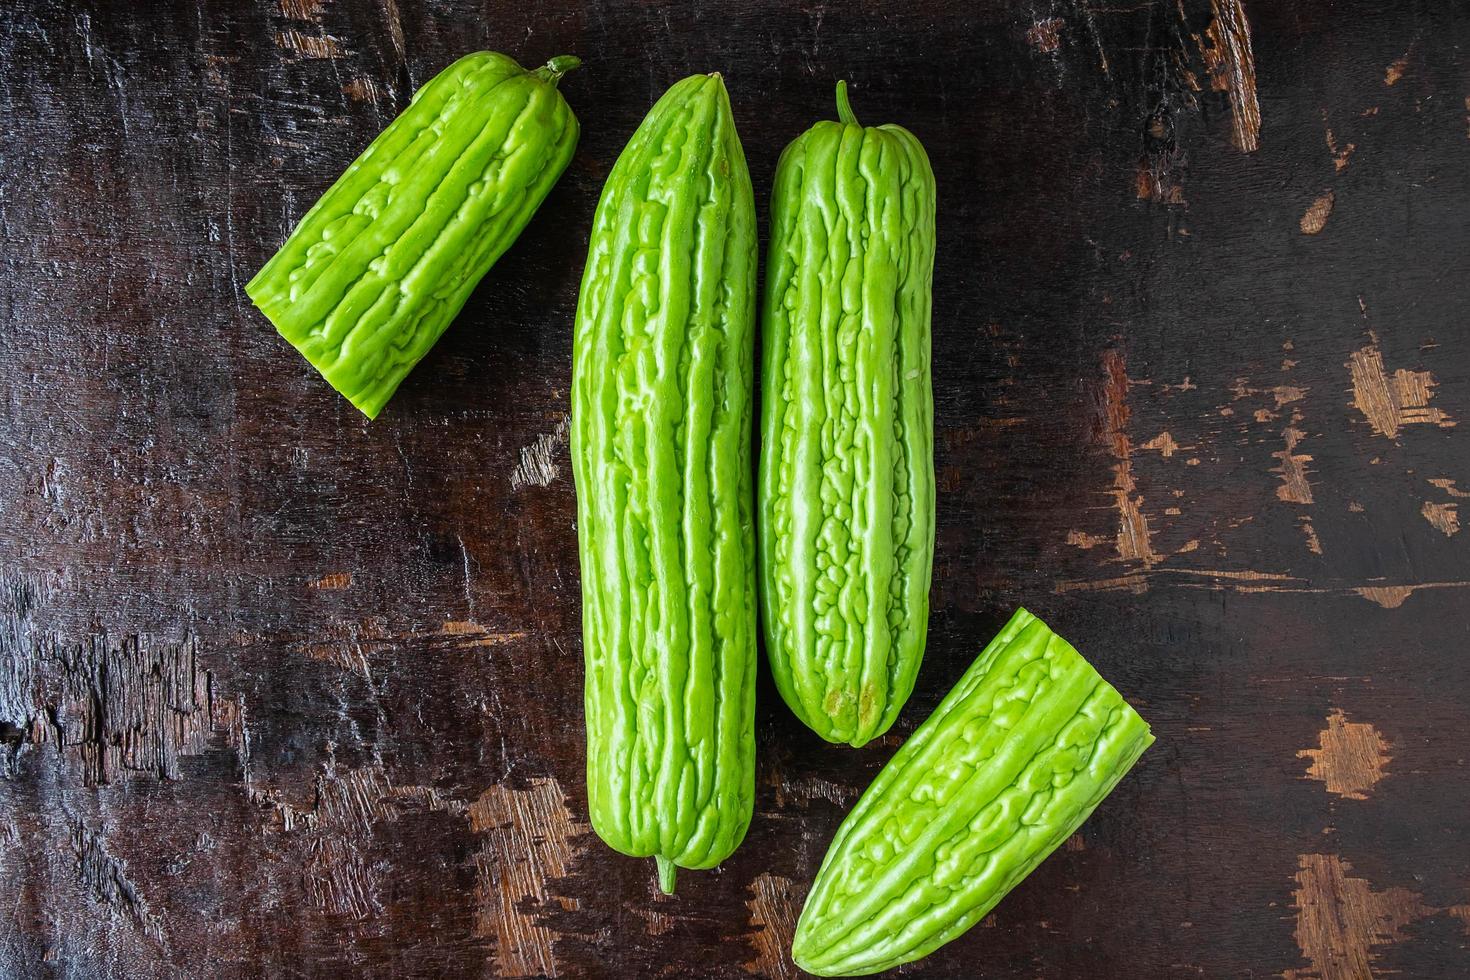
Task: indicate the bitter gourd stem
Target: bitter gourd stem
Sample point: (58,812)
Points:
(844,108)
(666,872)
(554,69)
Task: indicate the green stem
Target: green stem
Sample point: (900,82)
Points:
(554,69)
(844,108)
(666,872)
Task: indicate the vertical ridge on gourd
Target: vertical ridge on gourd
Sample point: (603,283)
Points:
(1009,765)
(662,386)
(846,484)
(377,269)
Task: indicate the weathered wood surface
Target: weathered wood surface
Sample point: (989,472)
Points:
(283,693)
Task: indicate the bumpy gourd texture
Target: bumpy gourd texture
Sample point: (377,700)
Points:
(1010,764)
(846,491)
(662,385)
(378,268)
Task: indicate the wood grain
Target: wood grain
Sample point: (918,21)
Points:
(284,693)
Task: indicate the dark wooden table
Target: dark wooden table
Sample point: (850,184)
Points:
(283,693)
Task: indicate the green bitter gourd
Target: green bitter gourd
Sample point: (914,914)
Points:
(1010,764)
(662,390)
(846,485)
(376,270)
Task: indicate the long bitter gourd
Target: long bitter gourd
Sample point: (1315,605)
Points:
(1012,761)
(381,264)
(846,486)
(662,386)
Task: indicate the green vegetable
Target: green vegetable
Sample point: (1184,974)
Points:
(1012,761)
(662,367)
(376,270)
(846,487)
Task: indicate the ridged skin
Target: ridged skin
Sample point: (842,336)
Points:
(1013,760)
(846,486)
(381,264)
(662,385)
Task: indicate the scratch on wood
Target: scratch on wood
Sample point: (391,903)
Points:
(363,90)
(1315,218)
(1232,67)
(332,582)
(1351,757)
(106,878)
(309,45)
(527,846)
(112,706)
(1133,541)
(345,654)
(302,9)
(1340,919)
(538,465)
(1045,35)
(772,908)
(474,635)
(1137,583)
(1442,517)
(347,807)
(1390,402)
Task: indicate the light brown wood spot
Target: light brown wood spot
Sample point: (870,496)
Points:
(1340,153)
(1295,488)
(1390,402)
(773,911)
(332,582)
(1442,517)
(1387,596)
(1134,540)
(1085,541)
(1396,69)
(1164,443)
(1315,218)
(1314,543)
(1340,919)
(528,844)
(1351,757)
(1448,486)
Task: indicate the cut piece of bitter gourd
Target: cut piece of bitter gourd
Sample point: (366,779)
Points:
(381,264)
(1010,764)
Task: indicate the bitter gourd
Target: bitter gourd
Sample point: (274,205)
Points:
(1012,761)
(662,390)
(381,264)
(846,485)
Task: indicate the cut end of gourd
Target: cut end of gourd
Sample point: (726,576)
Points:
(667,871)
(554,69)
(844,108)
